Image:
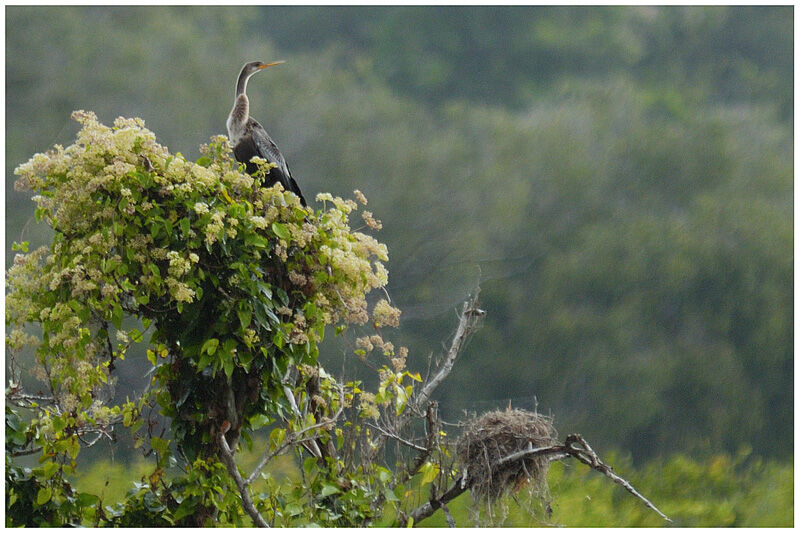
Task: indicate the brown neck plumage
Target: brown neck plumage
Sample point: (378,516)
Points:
(241,109)
(241,104)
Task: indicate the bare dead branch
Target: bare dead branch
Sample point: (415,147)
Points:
(295,438)
(311,446)
(467,324)
(20,399)
(230,464)
(20,453)
(557,450)
(578,448)
(398,438)
(448,516)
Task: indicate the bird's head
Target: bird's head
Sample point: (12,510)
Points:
(254,66)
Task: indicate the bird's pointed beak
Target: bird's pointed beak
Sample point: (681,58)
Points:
(265,65)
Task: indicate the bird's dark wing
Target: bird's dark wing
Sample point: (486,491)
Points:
(266,148)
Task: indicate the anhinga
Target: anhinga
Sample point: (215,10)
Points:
(249,139)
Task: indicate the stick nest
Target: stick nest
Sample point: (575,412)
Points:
(498,434)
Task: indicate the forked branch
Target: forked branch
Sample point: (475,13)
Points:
(230,464)
(574,446)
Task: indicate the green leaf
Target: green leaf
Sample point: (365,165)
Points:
(277,339)
(294,509)
(245,315)
(429,472)
(383,474)
(44,495)
(58,423)
(210,346)
(228,345)
(137,425)
(245,357)
(256,241)
(204,361)
(135,335)
(116,316)
(49,469)
(308,465)
(265,289)
(159,445)
(281,230)
(185,509)
(86,499)
(328,489)
(276,437)
(227,366)
(400,491)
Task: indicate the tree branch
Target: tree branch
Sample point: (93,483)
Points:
(467,324)
(311,446)
(557,451)
(577,447)
(450,521)
(574,446)
(398,438)
(20,399)
(20,453)
(230,463)
(293,439)
(428,508)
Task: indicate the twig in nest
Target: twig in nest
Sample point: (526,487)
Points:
(495,449)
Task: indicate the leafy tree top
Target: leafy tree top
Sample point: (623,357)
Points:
(234,282)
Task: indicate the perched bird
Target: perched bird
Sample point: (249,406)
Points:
(250,139)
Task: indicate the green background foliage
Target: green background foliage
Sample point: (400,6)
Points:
(619,180)
(722,491)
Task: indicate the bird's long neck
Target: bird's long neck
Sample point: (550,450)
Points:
(241,84)
(241,110)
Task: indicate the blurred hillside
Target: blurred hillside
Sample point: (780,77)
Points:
(619,181)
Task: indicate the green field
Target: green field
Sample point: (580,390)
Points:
(724,491)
